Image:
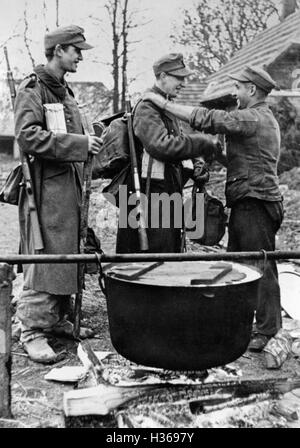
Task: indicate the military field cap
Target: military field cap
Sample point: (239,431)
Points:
(257,76)
(66,35)
(171,63)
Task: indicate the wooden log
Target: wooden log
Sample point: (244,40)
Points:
(103,399)
(90,361)
(6,277)
(284,409)
(99,400)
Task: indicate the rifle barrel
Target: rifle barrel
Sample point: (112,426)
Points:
(84,215)
(143,239)
(10,79)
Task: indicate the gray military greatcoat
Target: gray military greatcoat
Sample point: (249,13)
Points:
(57,173)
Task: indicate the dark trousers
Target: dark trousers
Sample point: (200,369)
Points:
(253,225)
(163,239)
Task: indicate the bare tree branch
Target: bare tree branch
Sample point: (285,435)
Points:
(26,40)
(45,15)
(124,21)
(213,32)
(3,44)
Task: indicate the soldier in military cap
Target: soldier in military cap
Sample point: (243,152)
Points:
(163,147)
(252,191)
(58,153)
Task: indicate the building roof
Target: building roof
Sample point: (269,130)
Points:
(192,93)
(263,50)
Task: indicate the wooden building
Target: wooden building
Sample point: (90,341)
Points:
(276,50)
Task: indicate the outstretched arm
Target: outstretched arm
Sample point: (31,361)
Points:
(163,145)
(214,121)
(178,110)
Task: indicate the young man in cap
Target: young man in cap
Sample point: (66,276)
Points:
(252,191)
(163,147)
(57,158)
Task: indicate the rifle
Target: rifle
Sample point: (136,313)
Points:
(27,180)
(84,213)
(143,239)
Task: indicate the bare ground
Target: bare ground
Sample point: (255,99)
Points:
(38,403)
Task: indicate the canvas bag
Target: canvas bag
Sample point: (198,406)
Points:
(114,154)
(10,191)
(215,218)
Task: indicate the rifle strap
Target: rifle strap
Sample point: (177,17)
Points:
(148,181)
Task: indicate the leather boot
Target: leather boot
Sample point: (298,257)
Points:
(65,329)
(39,350)
(258,342)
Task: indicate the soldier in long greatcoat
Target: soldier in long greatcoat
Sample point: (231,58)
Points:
(56,169)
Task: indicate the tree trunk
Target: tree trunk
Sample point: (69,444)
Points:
(6,277)
(116,41)
(116,81)
(57,13)
(125,55)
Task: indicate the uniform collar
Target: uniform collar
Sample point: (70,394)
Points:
(156,89)
(258,104)
(48,78)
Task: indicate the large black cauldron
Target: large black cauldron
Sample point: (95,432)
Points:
(160,320)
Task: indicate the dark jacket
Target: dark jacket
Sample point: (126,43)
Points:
(159,134)
(57,172)
(253,148)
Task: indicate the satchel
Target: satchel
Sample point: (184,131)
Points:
(10,191)
(111,191)
(114,153)
(215,219)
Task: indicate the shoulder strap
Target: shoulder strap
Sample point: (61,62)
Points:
(136,105)
(149,170)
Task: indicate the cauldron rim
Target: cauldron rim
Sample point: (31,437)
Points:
(219,284)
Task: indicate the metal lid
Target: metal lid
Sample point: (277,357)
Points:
(185,273)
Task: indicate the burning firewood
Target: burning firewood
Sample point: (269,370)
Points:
(101,400)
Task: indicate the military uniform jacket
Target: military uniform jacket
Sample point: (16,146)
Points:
(159,134)
(57,174)
(253,149)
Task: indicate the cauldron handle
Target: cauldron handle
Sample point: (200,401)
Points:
(265,260)
(101,275)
